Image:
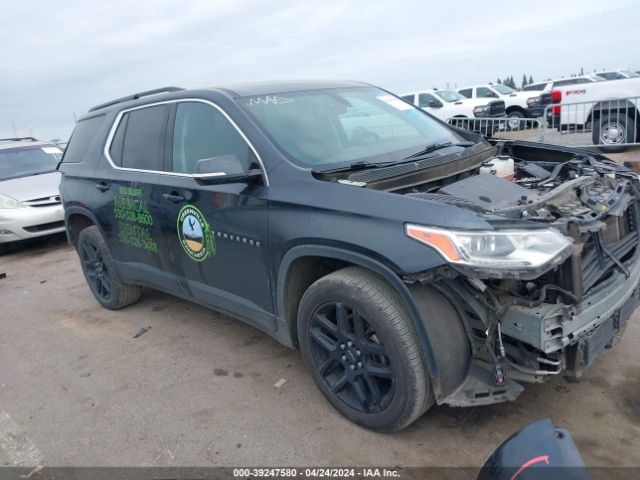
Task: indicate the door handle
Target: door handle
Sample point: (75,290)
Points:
(173,197)
(102,186)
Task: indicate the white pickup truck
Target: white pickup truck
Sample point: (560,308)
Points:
(450,106)
(608,109)
(518,104)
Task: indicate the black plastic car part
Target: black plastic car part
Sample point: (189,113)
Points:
(538,451)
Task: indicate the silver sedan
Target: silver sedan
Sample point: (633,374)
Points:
(30,204)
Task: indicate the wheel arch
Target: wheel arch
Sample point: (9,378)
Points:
(298,271)
(515,108)
(77,219)
(605,106)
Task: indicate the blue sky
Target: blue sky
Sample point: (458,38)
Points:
(61,58)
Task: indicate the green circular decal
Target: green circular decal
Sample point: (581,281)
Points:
(195,234)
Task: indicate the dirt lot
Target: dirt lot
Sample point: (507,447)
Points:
(198,389)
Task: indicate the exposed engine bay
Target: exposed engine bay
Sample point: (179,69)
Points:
(557,319)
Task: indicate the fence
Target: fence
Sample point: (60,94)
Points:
(609,124)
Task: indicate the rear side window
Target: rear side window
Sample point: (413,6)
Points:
(83,136)
(466,92)
(141,134)
(203,132)
(408,98)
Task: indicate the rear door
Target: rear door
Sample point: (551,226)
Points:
(130,210)
(216,234)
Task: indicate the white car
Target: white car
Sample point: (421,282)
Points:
(610,109)
(30,204)
(549,85)
(448,105)
(518,104)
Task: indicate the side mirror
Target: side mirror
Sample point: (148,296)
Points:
(435,104)
(224,169)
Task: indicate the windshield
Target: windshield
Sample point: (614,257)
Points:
(450,96)
(343,125)
(25,161)
(503,89)
(629,74)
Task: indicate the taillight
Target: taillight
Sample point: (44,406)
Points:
(556,97)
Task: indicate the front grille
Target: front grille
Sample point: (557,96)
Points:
(545,99)
(497,108)
(44,201)
(44,227)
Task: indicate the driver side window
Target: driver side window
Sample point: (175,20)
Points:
(483,92)
(203,132)
(424,99)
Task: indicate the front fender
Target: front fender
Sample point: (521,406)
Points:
(382,270)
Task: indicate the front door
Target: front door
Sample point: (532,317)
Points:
(216,234)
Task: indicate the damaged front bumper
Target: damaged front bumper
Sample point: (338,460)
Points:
(544,340)
(586,328)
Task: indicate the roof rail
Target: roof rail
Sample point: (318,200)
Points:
(17,139)
(136,96)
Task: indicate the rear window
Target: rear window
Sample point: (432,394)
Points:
(85,133)
(534,87)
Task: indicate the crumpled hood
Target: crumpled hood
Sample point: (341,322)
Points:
(32,187)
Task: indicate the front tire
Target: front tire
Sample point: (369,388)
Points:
(514,120)
(612,131)
(100,272)
(362,351)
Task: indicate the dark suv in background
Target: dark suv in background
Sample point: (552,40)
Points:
(339,219)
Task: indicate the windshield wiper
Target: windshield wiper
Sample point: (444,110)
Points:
(359,165)
(437,146)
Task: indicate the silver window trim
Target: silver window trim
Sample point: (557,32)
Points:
(121,113)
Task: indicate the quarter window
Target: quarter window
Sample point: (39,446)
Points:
(203,132)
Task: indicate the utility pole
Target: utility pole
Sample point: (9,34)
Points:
(15,134)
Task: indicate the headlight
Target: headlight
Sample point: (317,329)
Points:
(533,101)
(500,250)
(481,109)
(8,202)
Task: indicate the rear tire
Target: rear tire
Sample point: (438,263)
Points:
(361,348)
(99,270)
(612,131)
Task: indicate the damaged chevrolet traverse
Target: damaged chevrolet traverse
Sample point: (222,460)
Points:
(413,263)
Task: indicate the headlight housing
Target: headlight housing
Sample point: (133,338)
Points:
(495,254)
(8,202)
(534,101)
(481,110)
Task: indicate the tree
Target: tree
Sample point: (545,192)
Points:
(530,79)
(499,82)
(524,81)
